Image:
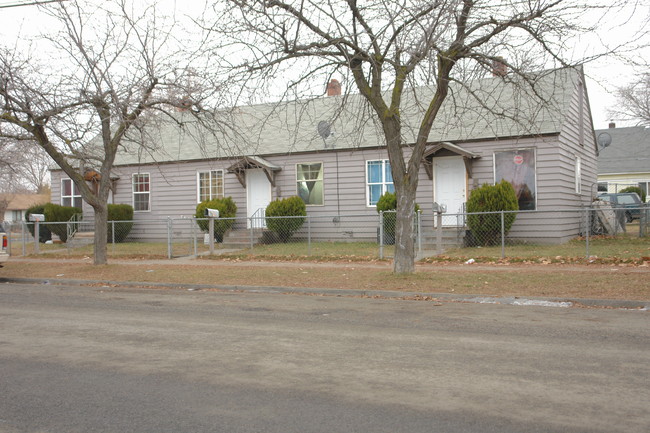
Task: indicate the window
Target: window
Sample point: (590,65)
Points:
(379,180)
(518,168)
(578,175)
(309,179)
(70,195)
(209,185)
(141,192)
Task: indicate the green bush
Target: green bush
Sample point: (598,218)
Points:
(635,189)
(288,207)
(388,202)
(44,233)
(55,213)
(119,212)
(486,229)
(227,211)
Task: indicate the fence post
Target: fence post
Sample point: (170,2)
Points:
(194,236)
(23,237)
(113,235)
(439,232)
(9,236)
(308,235)
(419,217)
(251,232)
(381,235)
(37,229)
(587,230)
(503,235)
(169,238)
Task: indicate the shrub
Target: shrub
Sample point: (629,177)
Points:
(55,213)
(388,202)
(44,233)
(486,228)
(288,207)
(635,189)
(227,211)
(124,214)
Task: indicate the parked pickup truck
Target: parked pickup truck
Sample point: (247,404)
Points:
(627,201)
(4,254)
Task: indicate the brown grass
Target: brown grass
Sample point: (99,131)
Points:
(552,280)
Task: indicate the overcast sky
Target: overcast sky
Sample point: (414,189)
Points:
(603,75)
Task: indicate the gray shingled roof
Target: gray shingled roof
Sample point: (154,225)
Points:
(271,129)
(629,151)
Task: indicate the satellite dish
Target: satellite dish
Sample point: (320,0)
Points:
(324,129)
(604,139)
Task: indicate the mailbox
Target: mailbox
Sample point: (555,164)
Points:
(439,208)
(212,213)
(37,217)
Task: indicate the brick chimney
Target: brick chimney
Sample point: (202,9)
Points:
(499,68)
(612,125)
(333,88)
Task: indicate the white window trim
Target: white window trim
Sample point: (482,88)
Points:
(73,187)
(383,183)
(322,164)
(133,193)
(198,184)
(578,174)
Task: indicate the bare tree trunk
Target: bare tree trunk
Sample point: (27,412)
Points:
(101,233)
(404,261)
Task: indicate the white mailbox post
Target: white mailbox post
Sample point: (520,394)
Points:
(36,218)
(211,214)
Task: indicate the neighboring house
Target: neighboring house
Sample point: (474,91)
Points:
(17,204)
(624,158)
(333,157)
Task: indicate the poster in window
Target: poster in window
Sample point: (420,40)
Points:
(518,168)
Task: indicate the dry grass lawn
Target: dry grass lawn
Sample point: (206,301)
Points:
(594,281)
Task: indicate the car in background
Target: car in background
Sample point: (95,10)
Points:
(4,254)
(630,202)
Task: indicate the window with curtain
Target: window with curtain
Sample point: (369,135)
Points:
(518,168)
(70,195)
(210,185)
(141,192)
(309,180)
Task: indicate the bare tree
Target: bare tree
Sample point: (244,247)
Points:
(78,93)
(634,101)
(386,47)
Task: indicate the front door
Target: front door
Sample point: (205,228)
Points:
(450,187)
(258,196)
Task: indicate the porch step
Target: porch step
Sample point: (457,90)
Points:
(242,238)
(81,239)
(451,238)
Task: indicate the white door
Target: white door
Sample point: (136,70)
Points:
(258,196)
(450,187)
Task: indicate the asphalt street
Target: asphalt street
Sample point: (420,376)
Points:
(114,359)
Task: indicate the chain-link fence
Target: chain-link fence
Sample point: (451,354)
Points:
(591,233)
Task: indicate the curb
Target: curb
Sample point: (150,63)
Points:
(379,294)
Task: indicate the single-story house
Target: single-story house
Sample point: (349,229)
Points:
(624,158)
(329,151)
(17,204)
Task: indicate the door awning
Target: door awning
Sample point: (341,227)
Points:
(253,162)
(446,148)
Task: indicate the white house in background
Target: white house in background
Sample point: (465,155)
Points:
(17,204)
(624,158)
(329,152)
